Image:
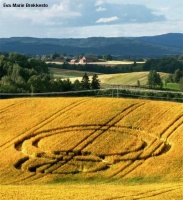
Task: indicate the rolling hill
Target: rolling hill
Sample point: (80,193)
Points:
(114,141)
(128,47)
(121,78)
(127,78)
(76,136)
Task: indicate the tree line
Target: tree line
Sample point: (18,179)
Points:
(154,79)
(23,74)
(167,65)
(176,77)
(99,68)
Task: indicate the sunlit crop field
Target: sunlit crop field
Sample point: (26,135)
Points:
(110,63)
(79,191)
(128,78)
(115,142)
(123,78)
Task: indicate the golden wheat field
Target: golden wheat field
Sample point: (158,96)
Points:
(90,148)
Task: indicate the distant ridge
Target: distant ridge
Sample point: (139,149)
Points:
(128,47)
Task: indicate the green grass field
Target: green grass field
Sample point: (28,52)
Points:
(172,86)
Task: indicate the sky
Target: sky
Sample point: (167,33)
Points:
(91,18)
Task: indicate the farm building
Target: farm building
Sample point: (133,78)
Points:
(73,61)
(82,60)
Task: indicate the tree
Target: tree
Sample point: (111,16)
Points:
(55,55)
(20,73)
(107,57)
(35,83)
(77,85)
(45,81)
(181,84)
(85,83)
(3,70)
(138,83)
(150,79)
(6,80)
(66,85)
(177,75)
(180,58)
(154,79)
(95,84)
(16,74)
(19,59)
(169,78)
(168,64)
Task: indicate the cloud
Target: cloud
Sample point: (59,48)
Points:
(126,30)
(84,13)
(64,9)
(82,18)
(48,16)
(99,2)
(107,20)
(101,9)
(92,15)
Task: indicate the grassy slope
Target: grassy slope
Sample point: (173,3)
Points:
(127,78)
(33,150)
(124,78)
(173,86)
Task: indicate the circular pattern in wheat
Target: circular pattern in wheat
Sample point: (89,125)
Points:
(85,149)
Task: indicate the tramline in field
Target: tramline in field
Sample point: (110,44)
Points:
(88,137)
